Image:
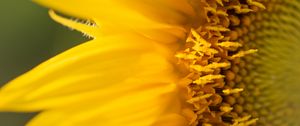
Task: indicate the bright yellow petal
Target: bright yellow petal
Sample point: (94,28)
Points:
(153,19)
(92,71)
(141,108)
(172,119)
(162,33)
(126,12)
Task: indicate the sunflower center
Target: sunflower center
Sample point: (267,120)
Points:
(270,76)
(230,83)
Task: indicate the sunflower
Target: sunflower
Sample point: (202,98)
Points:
(167,63)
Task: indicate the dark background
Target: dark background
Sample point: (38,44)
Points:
(28,37)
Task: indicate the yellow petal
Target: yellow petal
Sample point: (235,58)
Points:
(90,30)
(127,12)
(153,19)
(162,34)
(172,119)
(141,108)
(92,71)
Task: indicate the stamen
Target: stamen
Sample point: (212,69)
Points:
(232,91)
(206,57)
(226,108)
(260,5)
(217,28)
(207,79)
(228,44)
(210,67)
(244,121)
(198,98)
(243,53)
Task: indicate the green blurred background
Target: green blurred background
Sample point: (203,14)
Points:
(28,37)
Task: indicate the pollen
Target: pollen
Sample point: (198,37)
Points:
(228,84)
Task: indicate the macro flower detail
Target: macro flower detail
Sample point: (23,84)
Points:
(167,63)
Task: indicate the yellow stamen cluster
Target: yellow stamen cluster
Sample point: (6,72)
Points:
(210,50)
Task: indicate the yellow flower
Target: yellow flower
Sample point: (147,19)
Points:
(166,63)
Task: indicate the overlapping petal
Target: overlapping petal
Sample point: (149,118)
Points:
(94,71)
(141,108)
(124,76)
(151,18)
(126,12)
